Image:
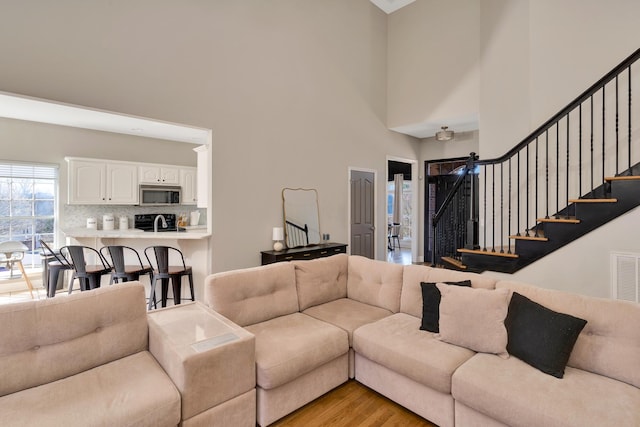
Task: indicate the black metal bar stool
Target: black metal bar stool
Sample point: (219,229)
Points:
(164,272)
(52,269)
(88,275)
(115,256)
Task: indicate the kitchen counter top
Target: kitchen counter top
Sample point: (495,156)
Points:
(191,233)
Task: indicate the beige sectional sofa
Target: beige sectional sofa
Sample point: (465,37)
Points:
(98,359)
(319,322)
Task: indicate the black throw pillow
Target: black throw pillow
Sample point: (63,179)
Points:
(431,304)
(541,337)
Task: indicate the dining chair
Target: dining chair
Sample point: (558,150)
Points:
(53,265)
(88,275)
(159,259)
(12,252)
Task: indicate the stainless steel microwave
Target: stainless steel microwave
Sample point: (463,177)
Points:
(160,195)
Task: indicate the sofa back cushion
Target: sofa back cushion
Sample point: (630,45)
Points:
(253,295)
(609,344)
(47,340)
(321,280)
(411,298)
(374,282)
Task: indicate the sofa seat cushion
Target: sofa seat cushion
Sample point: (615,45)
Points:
(347,314)
(132,391)
(397,343)
(290,346)
(514,393)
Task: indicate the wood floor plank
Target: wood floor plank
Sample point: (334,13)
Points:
(354,405)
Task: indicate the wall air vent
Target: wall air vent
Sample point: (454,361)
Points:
(625,276)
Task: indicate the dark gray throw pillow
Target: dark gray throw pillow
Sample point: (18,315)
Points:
(541,337)
(431,304)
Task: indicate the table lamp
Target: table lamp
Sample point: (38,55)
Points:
(278,237)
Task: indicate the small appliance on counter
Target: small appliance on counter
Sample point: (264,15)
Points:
(146,222)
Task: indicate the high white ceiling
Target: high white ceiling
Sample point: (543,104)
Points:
(429,129)
(390,6)
(41,110)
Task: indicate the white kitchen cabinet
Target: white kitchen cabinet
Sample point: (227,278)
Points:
(202,153)
(94,182)
(122,184)
(188,180)
(153,174)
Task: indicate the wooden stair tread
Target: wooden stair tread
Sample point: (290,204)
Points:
(593,200)
(623,178)
(539,238)
(560,220)
(454,262)
(494,252)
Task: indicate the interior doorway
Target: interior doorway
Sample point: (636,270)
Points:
(440,175)
(362,212)
(401,210)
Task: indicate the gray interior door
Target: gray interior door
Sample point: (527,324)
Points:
(362,214)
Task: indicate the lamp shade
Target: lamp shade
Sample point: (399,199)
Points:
(278,233)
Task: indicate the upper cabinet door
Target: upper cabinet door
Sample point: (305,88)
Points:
(122,184)
(87,182)
(188,179)
(159,175)
(98,182)
(169,175)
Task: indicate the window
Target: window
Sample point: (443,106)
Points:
(28,206)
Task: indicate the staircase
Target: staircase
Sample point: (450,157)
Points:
(575,173)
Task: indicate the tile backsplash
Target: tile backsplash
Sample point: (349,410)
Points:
(75,216)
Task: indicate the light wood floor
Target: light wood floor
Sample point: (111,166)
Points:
(354,405)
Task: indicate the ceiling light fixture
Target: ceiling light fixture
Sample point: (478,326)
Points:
(444,134)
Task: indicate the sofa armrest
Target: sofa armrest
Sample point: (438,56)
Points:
(209,358)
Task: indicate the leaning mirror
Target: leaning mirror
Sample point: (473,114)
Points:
(301,218)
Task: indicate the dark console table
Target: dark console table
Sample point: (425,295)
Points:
(307,252)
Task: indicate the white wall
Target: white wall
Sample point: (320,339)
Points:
(433,62)
(295,92)
(504,77)
(567,59)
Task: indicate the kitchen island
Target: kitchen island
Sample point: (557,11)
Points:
(194,243)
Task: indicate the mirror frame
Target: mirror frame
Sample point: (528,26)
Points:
(292,241)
